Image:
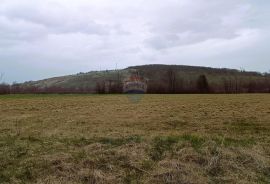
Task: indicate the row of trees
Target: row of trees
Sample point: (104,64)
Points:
(175,85)
(167,81)
(18,89)
(172,82)
(113,85)
(110,87)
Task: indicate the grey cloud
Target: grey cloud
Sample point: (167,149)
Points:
(56,37)
(12,30)
(163,41)
(197,22)
(41,18)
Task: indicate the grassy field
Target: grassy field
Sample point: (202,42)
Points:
(110,139)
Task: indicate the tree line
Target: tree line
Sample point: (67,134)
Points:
(169,81)
(20,89)
(173,82)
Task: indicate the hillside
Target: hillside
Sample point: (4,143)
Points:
(161,79)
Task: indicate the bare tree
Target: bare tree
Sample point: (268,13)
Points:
(100,87)
(226,85)
(1,76)
(202,84)
(119,82)
(4,88)
(236,84)
(172,80)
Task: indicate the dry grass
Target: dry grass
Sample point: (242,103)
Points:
(110,139)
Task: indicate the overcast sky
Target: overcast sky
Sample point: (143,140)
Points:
(45,38)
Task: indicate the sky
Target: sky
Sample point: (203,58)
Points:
(46,38)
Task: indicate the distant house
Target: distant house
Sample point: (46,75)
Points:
(135,84)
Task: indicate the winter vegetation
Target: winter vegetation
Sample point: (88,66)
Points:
(109,139)
(162,79)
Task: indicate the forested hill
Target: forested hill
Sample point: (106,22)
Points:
(161,79)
